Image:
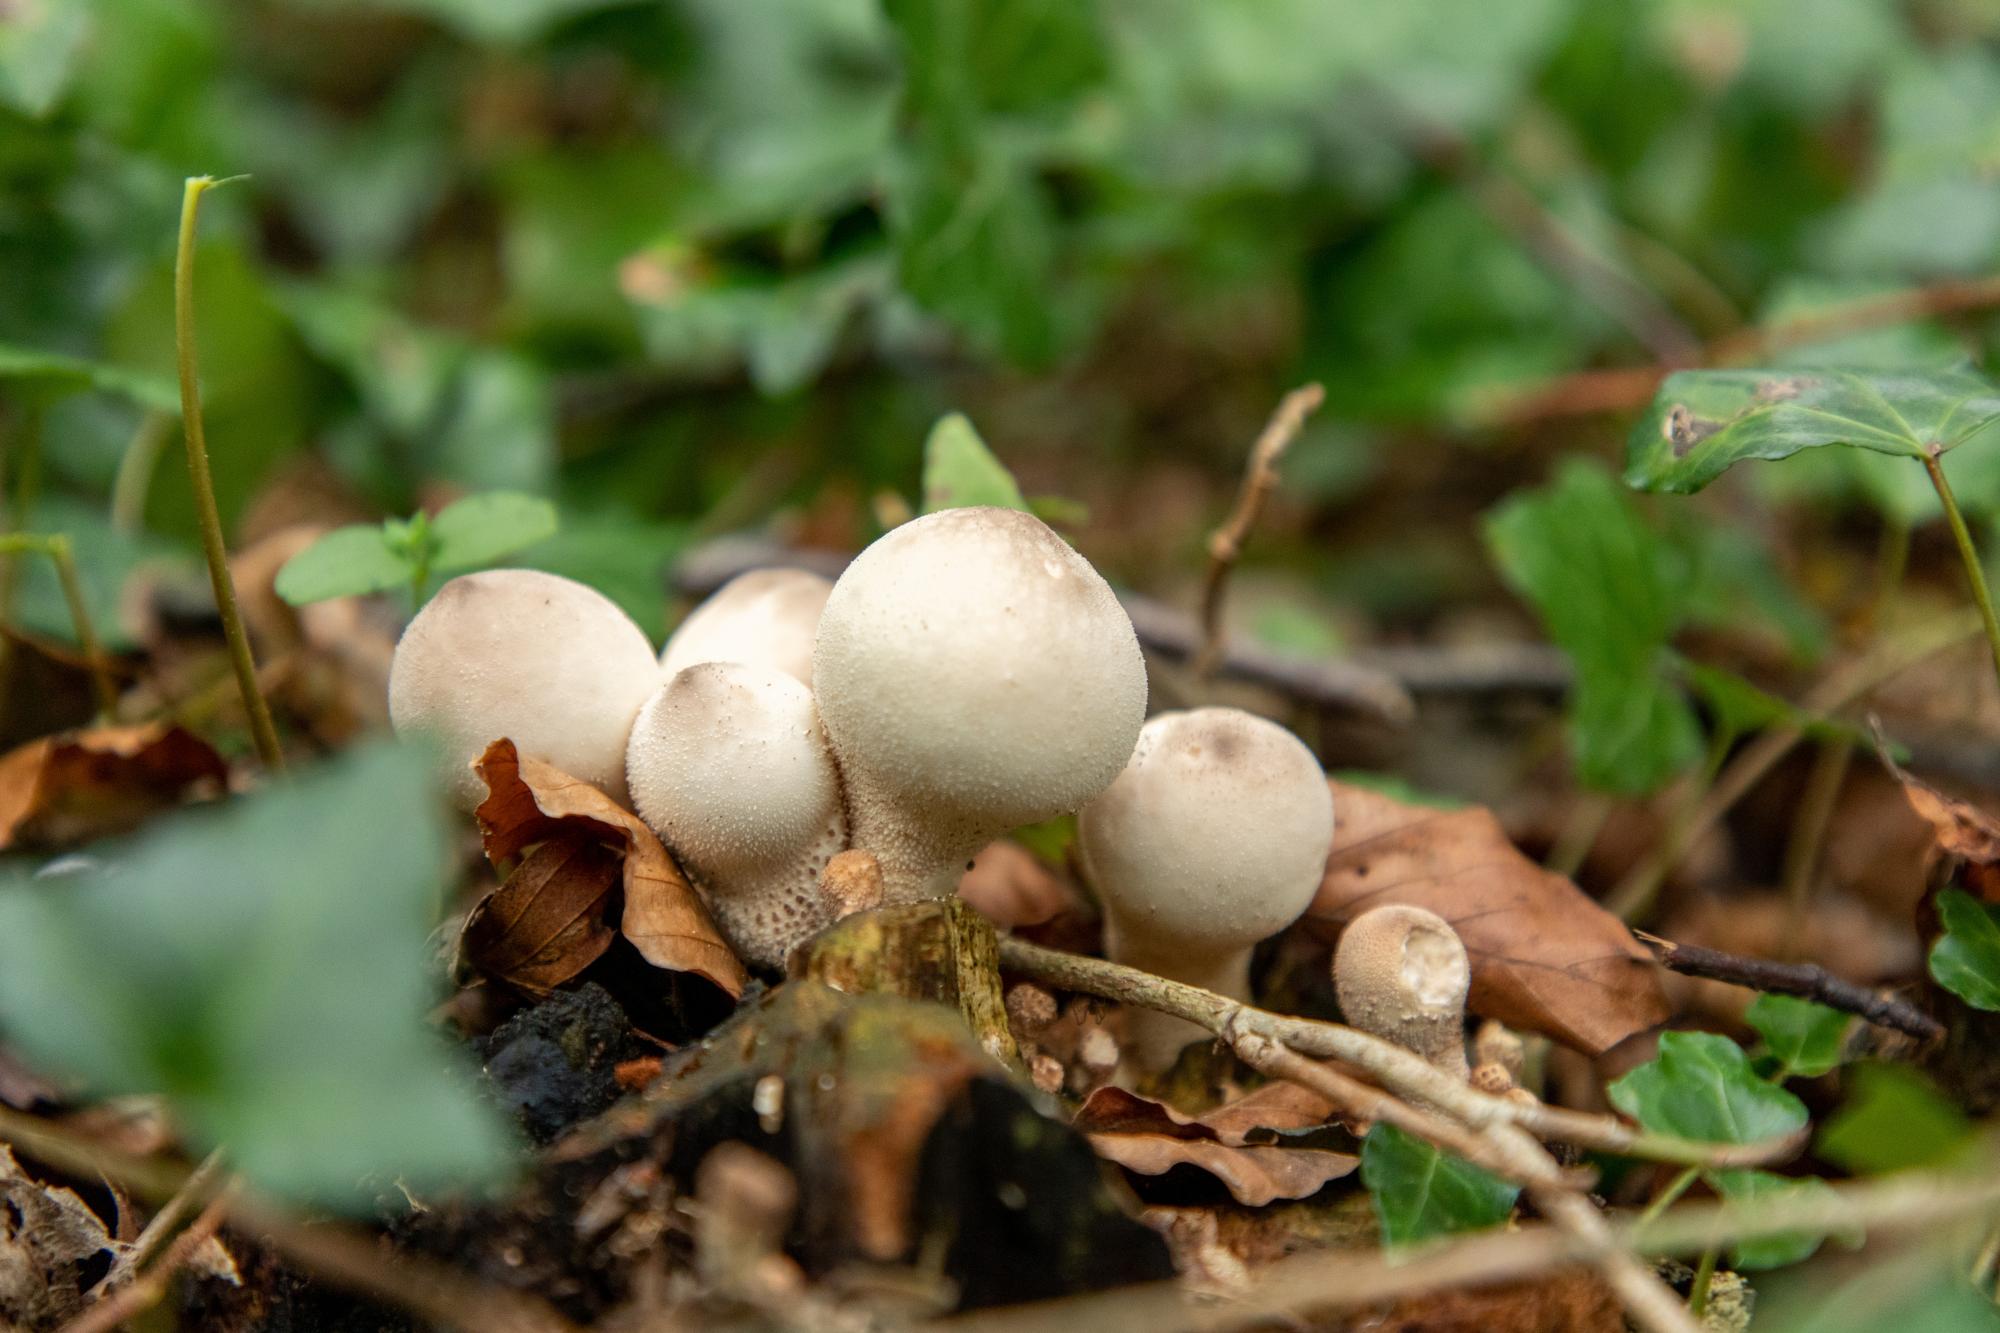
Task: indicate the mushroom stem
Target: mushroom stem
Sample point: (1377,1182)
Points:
(1153,1040)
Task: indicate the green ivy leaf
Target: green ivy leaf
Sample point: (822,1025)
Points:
(263,965)
(56,375)
(1966,958)
(959,470)
(1421,1191)
(1805,1037)
(480,529)
(346,562)
(1612,592)
(1772,1251)
(1702,422)
(1701,1086)
(1893,1119)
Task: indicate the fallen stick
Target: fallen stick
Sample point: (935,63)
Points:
(1807,980)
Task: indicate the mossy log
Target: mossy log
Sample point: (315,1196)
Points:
(940,950)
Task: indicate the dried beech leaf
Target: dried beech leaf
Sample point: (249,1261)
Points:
(1010,887)
(1545,957)
(1963,830)
(62,790)
(48,1238)
(531,801)
(1241,1144)
(547,922)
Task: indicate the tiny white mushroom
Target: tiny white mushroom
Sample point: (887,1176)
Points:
(1214,838)
(1402,974)
(541,660)
(765,618)
(729,766)
(974,674)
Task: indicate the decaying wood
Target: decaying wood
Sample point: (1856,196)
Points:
(939,950)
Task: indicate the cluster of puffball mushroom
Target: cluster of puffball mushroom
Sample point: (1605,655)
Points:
(967,674)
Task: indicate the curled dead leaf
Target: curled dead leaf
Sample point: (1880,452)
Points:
(530,802)
(1963,830)
(50,1241)
(1545,957)
(549,920)
(62,790)
(1010,887)
(1273,1144)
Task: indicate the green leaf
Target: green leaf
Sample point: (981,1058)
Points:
(264,966)
(56,374)
(107,560)
(1704,421)
(1966,958)
(346,562)
(960,471)
(1772,1251)
(1893,1119)
(39,44)
(498,21)
(1612,592)
(1701,1086)
(1421,1191)
(1742,708)
(1805,1037)
(480,529)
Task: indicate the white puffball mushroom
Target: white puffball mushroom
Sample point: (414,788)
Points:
(729,766)
(1214,838)
(974,674)
(764,618)
(541,660)
(1402,974)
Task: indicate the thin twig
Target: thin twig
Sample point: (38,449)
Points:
(1625,388)
(262,729)
(56,547)
(1400,1071)
(192,1194)
(1225,544)
(1807,980)
(1349,1279)
(1634,895)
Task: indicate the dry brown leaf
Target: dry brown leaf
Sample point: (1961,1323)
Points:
(548,921)
(531,802)
(1010,887)
(72,788)
(48,1238)
(1544,956)
(1239,1143)
(1963,830)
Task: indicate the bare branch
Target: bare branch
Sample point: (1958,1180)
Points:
(1807,980)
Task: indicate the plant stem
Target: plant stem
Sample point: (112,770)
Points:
(1975,573)
(1579,833)
(60,554)
(1635,897)
(213,547)
(1704,1274)
(135,473)
(1668,1196)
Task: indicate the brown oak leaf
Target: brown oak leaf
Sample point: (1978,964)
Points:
(72,788)
(548,921)
(1243,1144)
(1545,957)
(1963,830)
(530,801)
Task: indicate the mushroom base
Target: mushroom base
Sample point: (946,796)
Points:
(1152,1039)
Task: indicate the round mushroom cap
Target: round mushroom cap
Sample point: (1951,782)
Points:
(728,766)
(544,661)
(971,664)
(1401,972)
(1214,837)
(765,618)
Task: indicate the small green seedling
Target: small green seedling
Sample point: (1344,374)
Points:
(372,557)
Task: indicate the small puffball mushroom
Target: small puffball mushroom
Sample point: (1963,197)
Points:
(1213,838)
(974,674)
(1402,974)
(544,661)
(765,618)
(729,766)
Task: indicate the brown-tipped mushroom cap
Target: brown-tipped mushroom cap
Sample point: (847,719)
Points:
(729,766)
(974,674)
(1213,838)
(765,618)
(1402,974)
(543,661)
